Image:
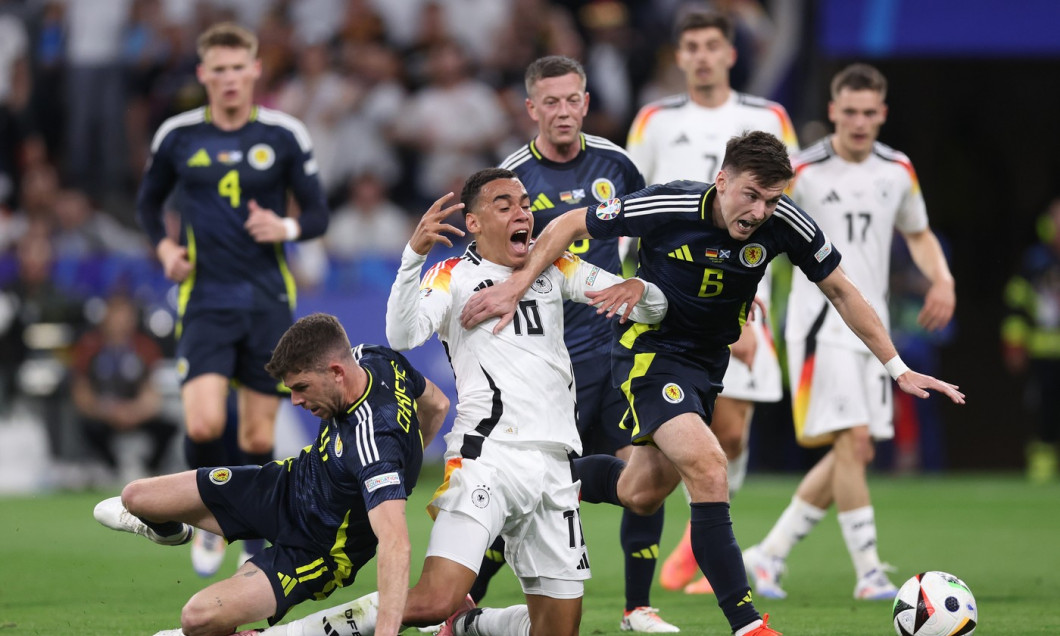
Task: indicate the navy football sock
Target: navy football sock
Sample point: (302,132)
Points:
(492,562)
(256,459)
(720,558)
(640,544)
(205,454)
(599,475)
(165,528)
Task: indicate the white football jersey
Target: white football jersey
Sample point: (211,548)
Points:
(675,138)
(858,205)
(516,386)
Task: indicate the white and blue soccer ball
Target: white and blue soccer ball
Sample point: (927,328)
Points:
(935,604)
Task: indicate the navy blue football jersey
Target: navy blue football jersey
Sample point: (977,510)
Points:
(369,454)
(213,174)
(709,277)
(601,171)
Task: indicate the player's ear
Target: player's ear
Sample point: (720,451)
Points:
(531,109)
(472,223)
(831,111)
(883,113)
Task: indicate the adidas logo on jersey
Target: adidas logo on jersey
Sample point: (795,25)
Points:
(682,139)
(200,159)
(542,203)
(682,253)
(832,197)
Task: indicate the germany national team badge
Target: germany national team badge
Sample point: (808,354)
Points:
(753,254)
(338,445)
(603,189)
(673,393)
(542,285)
(220,476)
(481,496)
(261,156)
(608,210)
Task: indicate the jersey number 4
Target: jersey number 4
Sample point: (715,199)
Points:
(228,187)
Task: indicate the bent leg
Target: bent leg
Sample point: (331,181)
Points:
(554,616)
(246,597)
(169,498)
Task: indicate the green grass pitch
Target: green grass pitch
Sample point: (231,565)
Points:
(62,573)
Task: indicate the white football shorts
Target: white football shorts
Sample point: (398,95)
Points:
(760,383)
(837,388)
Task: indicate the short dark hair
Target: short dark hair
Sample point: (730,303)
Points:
(227,34)
(552,66)
(761,154)
(474,184)
(309,345)
(859,77)
(694,20)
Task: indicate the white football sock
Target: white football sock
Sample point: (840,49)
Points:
(797,520)
(356,618)
(737,471)
(859,532)
(510,621)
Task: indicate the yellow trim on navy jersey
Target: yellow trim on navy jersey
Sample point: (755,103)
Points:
(631,334)
(364,396)
(539,156)
(641,363)
(703,203)
(288,278)
(187,284)
(254,113)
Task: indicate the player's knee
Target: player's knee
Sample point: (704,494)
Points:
(203,427)
(201,618)
(136,496)
(256,441)
(430,605)
(644,502)
(855,445)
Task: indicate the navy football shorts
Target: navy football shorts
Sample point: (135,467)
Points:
(250,502)
(235,344)
(661,386)
(601,406)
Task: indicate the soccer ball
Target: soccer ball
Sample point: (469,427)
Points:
(935,604)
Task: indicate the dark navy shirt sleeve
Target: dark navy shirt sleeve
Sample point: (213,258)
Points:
(382,480)
(304,179)
(159,179)
(646,210)
(806,243)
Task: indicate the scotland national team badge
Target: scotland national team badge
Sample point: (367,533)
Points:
(338,445)
(542,285)
(609,210)
(182,368)
(481,496)
(603,189)
(753,254)
(673,393)
(220,476)
(261,156)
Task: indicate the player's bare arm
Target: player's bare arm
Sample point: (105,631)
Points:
(500,300)
(174,259)
(431,409)
(859,315)
(432,227)
(940,298)
(392,563)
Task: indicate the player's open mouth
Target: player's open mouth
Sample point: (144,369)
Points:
(520,241)
(745,225)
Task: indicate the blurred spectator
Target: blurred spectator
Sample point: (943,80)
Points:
(431,124)
(81,231)
(47,96)
(361,134)
(145,54)
(1030,338)
(319,97)
(95,94)
(369,223)
(112,389)
(14,95)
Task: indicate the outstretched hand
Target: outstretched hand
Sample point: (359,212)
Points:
(490,302)
(431,228)
(618,298)
(918,384)
(939,303)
